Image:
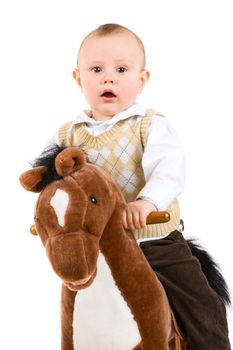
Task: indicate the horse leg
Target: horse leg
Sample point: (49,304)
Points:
(67,309)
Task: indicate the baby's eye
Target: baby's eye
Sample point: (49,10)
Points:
(96,69)
(121,69)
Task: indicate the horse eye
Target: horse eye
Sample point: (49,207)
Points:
(93,199)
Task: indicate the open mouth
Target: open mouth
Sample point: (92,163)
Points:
(108,95)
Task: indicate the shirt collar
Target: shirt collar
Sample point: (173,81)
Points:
(84,116)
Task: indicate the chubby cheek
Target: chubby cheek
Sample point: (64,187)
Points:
(90,90)
(128,93)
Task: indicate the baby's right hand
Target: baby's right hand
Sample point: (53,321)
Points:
(135,214)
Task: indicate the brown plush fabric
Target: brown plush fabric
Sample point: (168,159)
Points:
(93,222)
(67,309)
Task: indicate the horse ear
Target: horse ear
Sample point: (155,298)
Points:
(31,180)
(69,160)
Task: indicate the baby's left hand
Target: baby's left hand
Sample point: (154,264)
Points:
(135,214)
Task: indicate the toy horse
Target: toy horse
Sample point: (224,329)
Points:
(111,298)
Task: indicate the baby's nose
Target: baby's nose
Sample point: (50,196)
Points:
(108,78)
(107,81)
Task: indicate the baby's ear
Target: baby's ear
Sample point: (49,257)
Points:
(76,76)
(144,77)
(32,179)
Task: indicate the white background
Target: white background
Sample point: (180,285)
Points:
(190,55)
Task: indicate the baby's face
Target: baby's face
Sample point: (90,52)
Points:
(111,73)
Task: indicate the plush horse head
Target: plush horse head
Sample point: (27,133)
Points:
(78,218)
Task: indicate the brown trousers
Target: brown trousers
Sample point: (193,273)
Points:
(198,309)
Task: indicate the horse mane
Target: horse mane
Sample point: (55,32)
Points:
(47,159)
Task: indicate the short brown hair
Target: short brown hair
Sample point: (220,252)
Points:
(110,28)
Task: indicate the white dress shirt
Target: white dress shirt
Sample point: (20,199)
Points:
(163,159)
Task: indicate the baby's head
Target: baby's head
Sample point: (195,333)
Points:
(112,30)
(111,69)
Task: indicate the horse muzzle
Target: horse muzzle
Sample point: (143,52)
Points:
(73,257)
(80,284)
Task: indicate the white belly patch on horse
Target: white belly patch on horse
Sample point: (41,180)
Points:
(102,319)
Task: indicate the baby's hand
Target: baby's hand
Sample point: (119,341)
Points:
(135,214)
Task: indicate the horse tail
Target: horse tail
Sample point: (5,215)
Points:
(211,270)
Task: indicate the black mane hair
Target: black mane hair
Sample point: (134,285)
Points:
(47,159)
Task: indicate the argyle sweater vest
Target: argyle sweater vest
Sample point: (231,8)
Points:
(119,152)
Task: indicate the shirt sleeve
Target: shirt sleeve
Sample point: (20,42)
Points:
(163,163)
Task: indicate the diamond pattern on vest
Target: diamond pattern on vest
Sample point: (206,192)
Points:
(119,153)
(124,150)
(98,157)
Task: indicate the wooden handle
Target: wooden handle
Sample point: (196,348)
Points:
(157,217)
(33,230)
